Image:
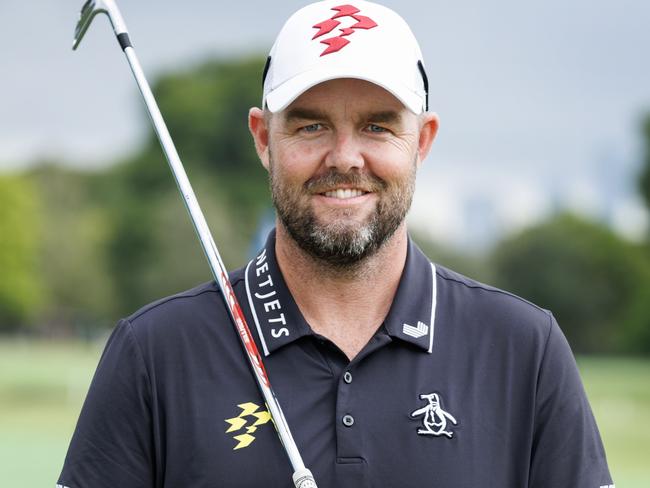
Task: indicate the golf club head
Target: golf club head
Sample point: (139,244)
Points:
(88,12)
(86,16)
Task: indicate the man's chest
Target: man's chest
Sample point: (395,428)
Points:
(391,419)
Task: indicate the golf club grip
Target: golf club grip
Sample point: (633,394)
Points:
(304,478)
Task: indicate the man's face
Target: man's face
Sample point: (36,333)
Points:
(342,160)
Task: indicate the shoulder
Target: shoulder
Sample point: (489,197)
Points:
(184,312)
(177,305)
(469,288)
(471,304)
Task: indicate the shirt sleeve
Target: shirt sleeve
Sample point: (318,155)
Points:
(112,443)
(567,449)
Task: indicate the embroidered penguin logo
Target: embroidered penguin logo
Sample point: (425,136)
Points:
(435,418)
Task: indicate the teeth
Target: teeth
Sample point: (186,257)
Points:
(344,194)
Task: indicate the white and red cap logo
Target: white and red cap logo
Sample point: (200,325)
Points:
(338,42)
(333,39)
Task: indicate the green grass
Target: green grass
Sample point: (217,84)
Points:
(42,387)
(619,392)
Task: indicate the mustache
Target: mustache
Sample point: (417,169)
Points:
(334,179)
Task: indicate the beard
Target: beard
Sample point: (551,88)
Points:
(343,241)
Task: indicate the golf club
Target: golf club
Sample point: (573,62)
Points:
(302,477)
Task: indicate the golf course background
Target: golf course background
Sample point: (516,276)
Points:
(81,248)
(42,387)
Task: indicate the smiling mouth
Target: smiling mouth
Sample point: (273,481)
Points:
(344,193)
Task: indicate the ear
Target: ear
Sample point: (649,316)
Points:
(429,123)
(257,124)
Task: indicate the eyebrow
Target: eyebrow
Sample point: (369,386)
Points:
(298,113)
(388,116)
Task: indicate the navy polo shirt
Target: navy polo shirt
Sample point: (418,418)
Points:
(463,385)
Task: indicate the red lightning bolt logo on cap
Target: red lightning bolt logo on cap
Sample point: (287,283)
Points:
(336,43)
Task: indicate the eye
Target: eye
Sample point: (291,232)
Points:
(312,128)
(376,129)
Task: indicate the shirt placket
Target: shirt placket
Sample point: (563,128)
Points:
(352,466)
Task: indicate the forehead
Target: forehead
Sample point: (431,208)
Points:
(347,96)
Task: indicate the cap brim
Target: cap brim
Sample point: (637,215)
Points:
(282,96)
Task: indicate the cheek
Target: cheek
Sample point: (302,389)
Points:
(391,162)
(298,161)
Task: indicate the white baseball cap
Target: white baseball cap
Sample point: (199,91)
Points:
(333,39)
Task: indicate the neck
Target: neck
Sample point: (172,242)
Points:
(344,305)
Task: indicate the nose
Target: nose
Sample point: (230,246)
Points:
(345,153)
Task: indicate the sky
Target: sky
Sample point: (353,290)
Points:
(540,101)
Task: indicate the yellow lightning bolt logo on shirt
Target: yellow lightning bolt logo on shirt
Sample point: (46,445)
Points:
(251,415)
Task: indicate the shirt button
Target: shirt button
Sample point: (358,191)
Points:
(348,420)
(347,377)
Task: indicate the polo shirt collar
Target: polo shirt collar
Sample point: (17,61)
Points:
(275,313)
(278,319)
(411,317)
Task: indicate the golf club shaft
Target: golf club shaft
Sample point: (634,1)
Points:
(302,477)
(214,259)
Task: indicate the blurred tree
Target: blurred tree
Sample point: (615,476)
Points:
(639,313)
(74,234)
(644,179)
(588,276)
(471,265)
(21,295)
(153,250)
(208,112)
(637,320)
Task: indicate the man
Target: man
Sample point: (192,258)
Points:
(392,372)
